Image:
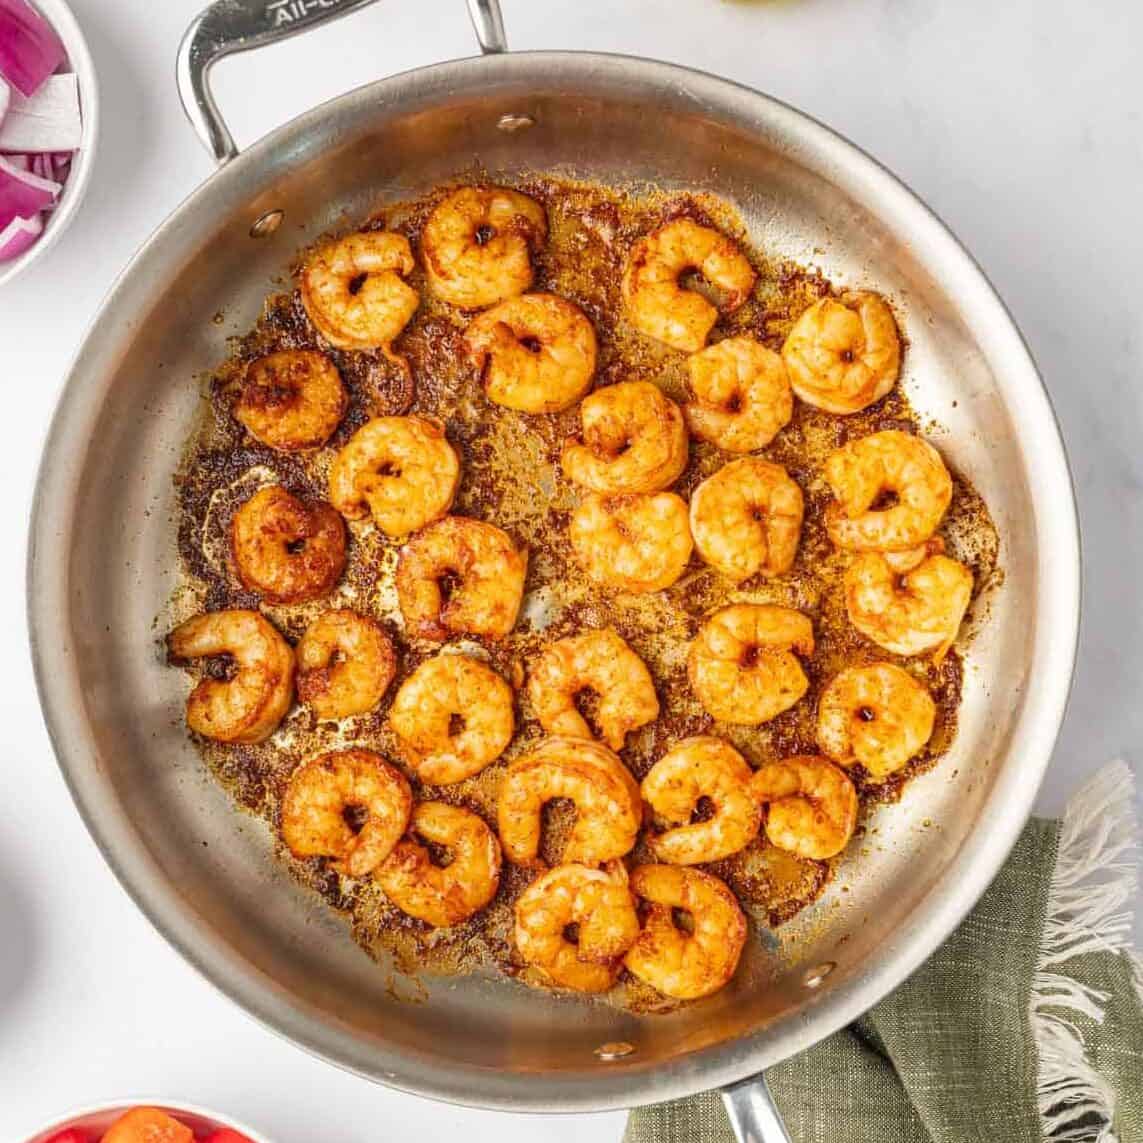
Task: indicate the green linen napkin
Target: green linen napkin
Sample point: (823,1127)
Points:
(1026,1025)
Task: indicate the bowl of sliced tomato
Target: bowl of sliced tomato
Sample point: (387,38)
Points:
(147,1122)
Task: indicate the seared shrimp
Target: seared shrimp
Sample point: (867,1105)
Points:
(601,663)
(636,543)
(890,462)
(913,613)
(844,355)
(322,793)
(442,895)
(599,903)
(484,571)
(400,470)
(606,797)
(291,400)
(741,395)
(247,706)
(478,245)
(659,306)
(346,662)
(878,716)
(535,353)
(355,293)
(747,518)
(742,664)
(288,550)
(452,717)
(685,965)
(633,440)
(812,805)
(692,770)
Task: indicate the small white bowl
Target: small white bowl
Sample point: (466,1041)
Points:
(100,1117)
(60,16)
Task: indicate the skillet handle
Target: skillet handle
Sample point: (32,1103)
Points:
(752,1113)
(230,26)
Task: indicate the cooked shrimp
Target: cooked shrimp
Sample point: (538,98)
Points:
(742,664)
(742,397)
(633,440)
(812,805)
(691,771)
(635,543)
(442,895)
(355,293)
(844,355)
(346,662)
(291,400)
(478,245)
(747,518)
(599,903)
(659,306)
(400,470)
(606,797)
(320,797)
(887,463)
(685,965)
(286,549)
(601,663)
(911,613)
(878,716)
(483,572)
(452,717)
(247,706)
(535,353)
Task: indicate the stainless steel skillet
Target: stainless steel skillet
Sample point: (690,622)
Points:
(103,561)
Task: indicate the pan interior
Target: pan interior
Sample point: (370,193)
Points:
(104,563)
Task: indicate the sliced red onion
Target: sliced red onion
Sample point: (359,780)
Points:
(49,121)
(5,98)
(30,50)
(18,235)
(23,193)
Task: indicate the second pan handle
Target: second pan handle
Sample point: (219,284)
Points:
(229,26)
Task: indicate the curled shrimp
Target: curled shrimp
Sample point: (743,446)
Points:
(606,797)
(355,293)
(741,395)
(878,716)
(693,770)
(844,355)
(887,463)
(743,666)
(478,245)
(633,439)
(685,965)
(322,792)
(812,805)
(535,353)
(639,542)
(659,306)
(442,895)
(599,903)
(286,549)
(484,572)
(249,705)
(452,717)
(346,662)
(747,518)
(291,400)
(601,663)
(910,613)
(400,470)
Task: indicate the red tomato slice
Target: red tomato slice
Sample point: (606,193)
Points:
(71,1135)
(225,1135)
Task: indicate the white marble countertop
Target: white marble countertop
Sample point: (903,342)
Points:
(1021,126)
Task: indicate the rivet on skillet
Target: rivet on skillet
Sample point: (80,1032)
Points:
(265,224)
(815,976)
(614,1050)
(513,123)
